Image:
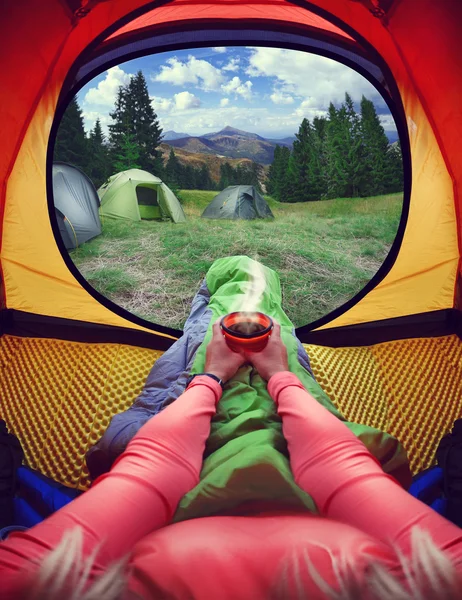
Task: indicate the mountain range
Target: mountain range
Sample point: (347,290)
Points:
(229,143)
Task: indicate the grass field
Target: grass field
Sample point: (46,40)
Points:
(324,252)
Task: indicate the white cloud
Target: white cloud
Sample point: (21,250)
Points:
(104,94)
(186,100)
(219,49)
(160,104)
(310,76)
(279,98)
(89,120)
(388,123)
(262,120)
(309,110)
(233,65)
(195,71)
(224,102)
(236,86)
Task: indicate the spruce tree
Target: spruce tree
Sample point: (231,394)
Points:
(395,174)
(271,177)
(128,156)
(320,127)
(134,114)
(336,168)
(71,142)
(205,180)
(282,181)
(377,161)
(277,184)
(356,170)
(99,167)
(227,176)
(148,132)
(304,172)
(172,170)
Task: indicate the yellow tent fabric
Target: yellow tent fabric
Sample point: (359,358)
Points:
(427,70)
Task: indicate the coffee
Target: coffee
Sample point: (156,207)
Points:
(247,327)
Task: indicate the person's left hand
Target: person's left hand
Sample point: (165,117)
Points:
(220,360)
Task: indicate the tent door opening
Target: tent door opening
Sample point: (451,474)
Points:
(147,202)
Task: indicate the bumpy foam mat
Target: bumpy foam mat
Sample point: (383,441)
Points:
(58,397)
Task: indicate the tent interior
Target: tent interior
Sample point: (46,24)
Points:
(390,357)
(147,202)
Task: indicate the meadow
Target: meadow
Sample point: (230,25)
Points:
(324,253)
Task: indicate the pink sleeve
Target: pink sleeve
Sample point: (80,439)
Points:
(347,483)
(140,494)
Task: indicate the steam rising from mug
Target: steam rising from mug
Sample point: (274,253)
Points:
(254,290)
(244,327)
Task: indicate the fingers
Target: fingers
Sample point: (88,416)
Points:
(216,329)
(276,333)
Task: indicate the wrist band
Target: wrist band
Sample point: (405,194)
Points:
(217,379)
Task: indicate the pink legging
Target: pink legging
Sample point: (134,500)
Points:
(163,462)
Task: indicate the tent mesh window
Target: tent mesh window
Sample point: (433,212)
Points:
(147,202)
(146,196)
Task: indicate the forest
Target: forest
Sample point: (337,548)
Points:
(344,154)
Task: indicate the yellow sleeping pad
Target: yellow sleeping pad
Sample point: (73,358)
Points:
(58,397)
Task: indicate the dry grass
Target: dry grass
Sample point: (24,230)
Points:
(324,253)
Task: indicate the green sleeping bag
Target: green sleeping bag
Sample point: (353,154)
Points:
(246,457)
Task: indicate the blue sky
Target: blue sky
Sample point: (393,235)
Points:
(263,90)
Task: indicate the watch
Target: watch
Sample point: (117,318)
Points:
(217,379)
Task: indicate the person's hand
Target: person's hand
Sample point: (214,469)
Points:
(220,360)
(273,358)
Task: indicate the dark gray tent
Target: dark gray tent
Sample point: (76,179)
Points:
(238,202)
(76,203)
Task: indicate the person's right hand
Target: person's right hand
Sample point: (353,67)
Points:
(273,357)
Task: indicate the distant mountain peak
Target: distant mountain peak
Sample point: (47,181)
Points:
(233,131)
(229,129)
(174,135)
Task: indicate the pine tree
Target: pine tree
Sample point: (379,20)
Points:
(282,181)
(377,161)
(277,184)
(353,145)
(122,117)
(172,170)
(99,167)
(205,180)
(71,142)
(227,176)
(336,173)
(148,132)
(304,172)
(134,114)
(395,174)
(128,156)
(320,127)
(254,176)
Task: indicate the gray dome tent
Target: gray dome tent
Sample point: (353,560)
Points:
(76,204)
(238,202)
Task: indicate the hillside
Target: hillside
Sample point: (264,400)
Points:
(231,143)
(213,162)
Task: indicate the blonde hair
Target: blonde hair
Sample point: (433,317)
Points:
(64,573)
(429,574)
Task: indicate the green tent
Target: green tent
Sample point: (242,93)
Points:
(136,195)
(238,202)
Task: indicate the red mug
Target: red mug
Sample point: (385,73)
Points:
(246,330)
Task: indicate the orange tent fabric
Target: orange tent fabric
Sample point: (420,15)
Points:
(419,41)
